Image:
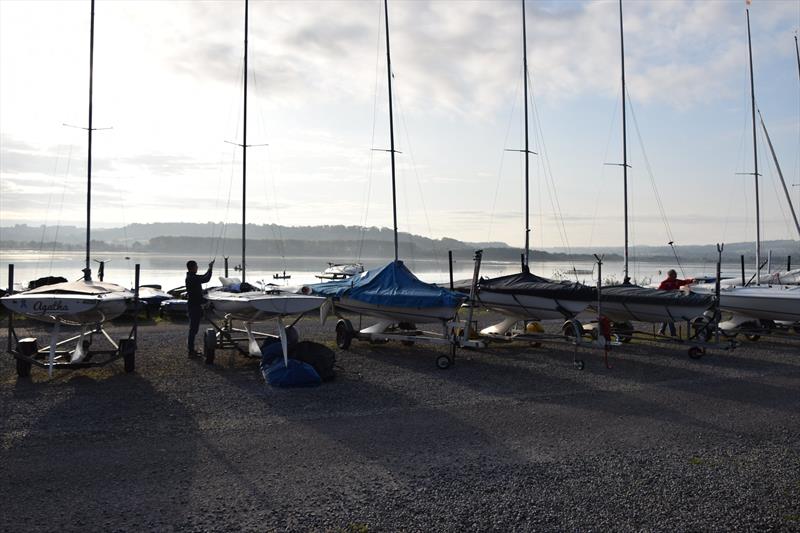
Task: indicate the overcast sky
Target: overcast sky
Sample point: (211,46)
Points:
(168,81)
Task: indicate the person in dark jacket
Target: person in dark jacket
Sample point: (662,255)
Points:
(672,283)
(194,296)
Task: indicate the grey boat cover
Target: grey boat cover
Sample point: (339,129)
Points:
(634,294)
(78,287)
(533,285)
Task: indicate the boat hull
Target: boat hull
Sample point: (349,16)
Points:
(530,307)
(417,315)
(643,312)
(257,306)
(776,302)
(72,309)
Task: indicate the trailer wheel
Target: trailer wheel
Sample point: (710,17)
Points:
(344,333)
(23,368)
(443,362)
(624,331)
(702,328)
(127,349)
(696,352)
(209,345)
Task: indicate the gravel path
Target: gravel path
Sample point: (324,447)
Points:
(512,438)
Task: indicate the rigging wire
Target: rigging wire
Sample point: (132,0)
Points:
(61,205)
(549,179)
(364,220)
(414,167)
(659,202)
(269,177)
(50,189)
(601,181)
(502,158)
(223,234)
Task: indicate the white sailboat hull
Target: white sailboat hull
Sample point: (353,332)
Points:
(417,315)
(72,309)
(257,306)
(766,302)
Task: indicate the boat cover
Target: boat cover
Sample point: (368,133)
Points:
(78,287)
(634,294)
(392,285)
(533,285)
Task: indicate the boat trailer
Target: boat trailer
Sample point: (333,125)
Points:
(455,333)
(223,336)
(54,356)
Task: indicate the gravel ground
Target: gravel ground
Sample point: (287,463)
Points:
(511,438)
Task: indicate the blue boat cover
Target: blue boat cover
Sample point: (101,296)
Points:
(297,374)
(391,285)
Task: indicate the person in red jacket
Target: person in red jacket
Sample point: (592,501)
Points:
(672,283)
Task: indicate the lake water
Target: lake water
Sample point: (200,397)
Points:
(169,270)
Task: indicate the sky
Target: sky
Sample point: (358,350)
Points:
(168,84)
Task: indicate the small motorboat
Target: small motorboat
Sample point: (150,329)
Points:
(340,271)
(278,275)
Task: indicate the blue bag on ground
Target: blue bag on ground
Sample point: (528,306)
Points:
(271,347)
(297,374)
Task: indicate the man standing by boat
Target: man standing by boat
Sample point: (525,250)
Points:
(672,283)
(194,296)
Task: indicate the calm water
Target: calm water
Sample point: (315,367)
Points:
(169,270)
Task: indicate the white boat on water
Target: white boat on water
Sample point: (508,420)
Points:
(340,271)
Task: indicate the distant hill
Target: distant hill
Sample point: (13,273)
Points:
(702,252)
(267,240)
(144,233)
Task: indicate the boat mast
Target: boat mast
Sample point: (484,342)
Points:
(797,51)
(87,273)
(391,126)
(780,175)
(755,153)
(527,151)
(244,152)
(627,277)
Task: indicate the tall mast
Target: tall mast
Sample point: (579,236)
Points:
(527,151)
(755,154)
(391,126)
(87,273)
(797,51)
(624,142)
(244,153)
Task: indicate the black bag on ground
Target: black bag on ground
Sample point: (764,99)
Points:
(317,355)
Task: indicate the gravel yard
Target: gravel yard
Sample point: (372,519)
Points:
(511,438)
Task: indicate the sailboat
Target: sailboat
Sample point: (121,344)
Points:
(525,296)
(83,302)
(763,302)
(238,300)
(626,302)
(391,293)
